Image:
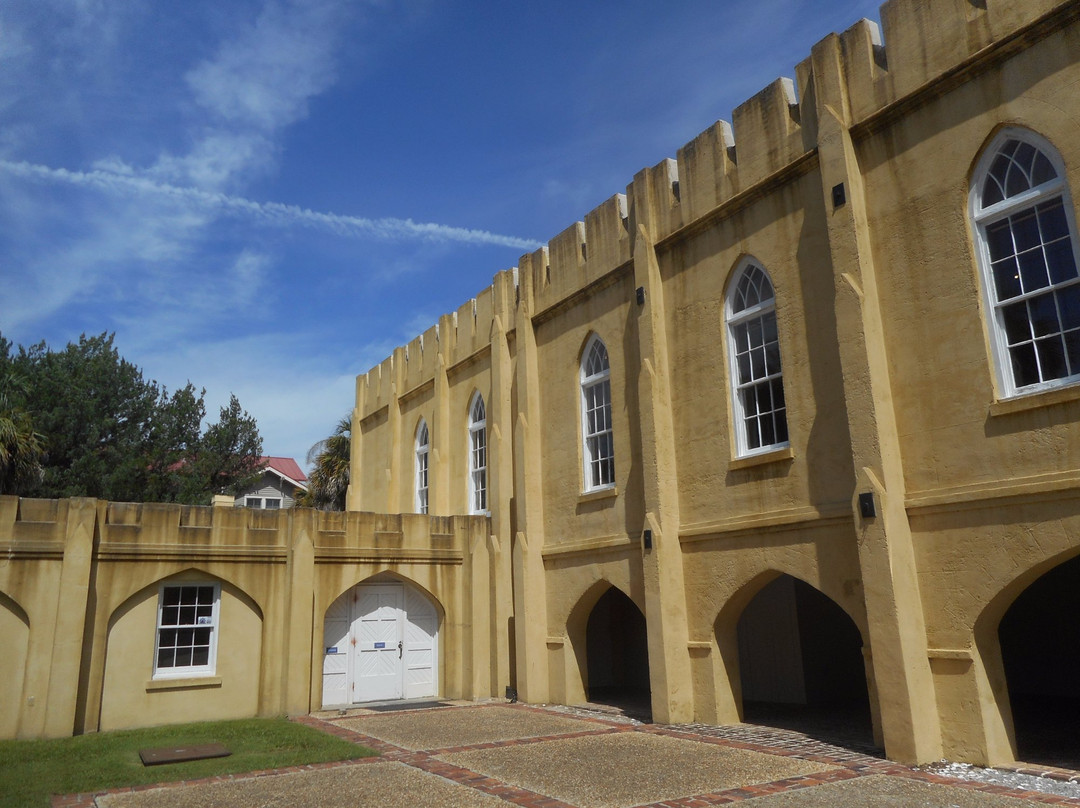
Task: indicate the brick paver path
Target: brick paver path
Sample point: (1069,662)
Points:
(844,764)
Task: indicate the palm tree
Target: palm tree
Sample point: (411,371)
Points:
(21,448)
(329,479)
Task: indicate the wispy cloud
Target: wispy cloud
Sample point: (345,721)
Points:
(264,77)
(274,214)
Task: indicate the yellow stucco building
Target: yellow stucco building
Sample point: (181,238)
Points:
(794,420)
(797,417)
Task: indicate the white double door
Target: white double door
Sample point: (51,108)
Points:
(380,643)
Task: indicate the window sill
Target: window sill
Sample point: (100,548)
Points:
(183,684)
(1033,401)
(598,494)
(774,456)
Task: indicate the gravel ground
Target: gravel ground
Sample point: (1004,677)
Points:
(615,771)
(879,791)
(466,726)
(1028,782)
(365,785)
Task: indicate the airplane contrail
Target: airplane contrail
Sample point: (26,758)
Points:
(268,212)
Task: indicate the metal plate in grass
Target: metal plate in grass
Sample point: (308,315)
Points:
(178,754)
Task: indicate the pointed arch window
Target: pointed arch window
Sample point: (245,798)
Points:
(478,456)
(423,449)
(1026,237)
(758,401)
(599,443)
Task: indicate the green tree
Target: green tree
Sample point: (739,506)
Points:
(112,434)
(226,458)
(328,482)
(21,446)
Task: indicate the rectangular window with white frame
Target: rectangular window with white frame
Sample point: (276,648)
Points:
(187,629)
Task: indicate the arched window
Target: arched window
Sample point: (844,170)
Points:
(423,448)
(1026,238)
(760,412)
(599,444)
(477,456)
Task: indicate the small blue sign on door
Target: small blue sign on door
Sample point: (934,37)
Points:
(380,645)
(332,649)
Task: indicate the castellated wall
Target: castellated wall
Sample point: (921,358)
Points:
(915,491)
(867,76)
(79,598)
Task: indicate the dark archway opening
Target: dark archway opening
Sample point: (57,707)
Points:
(801,666)
(1040,649)
(617,655)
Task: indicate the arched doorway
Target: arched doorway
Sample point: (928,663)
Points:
(1040,650)
(801,665)
(617,653)
(381,642)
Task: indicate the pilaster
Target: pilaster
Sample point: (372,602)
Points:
(899,662)
(80,529)
(301,656)
(665,598)
(500,421)
(530,597)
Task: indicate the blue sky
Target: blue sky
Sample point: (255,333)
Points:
(266,196)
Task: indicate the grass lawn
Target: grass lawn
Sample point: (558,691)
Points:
(30,771)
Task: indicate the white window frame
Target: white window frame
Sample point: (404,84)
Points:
(597,430)
(422,476)
(263,503)
(172,618)
(478,456)
(741,358)
(1009,209)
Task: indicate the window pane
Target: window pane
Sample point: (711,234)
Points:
(768,434)
(1015,181)
(1007,279)
(764,394)
(1017,327)
(170,615)
(1025,230)
(1068,301)
(183,657)
(1072,350)
(749,396)
(753,439)
(1025,369)
(778,393)
(781,427)
(757,363)
(772,358)
(171,596)
(165,657)
(999,240)
(1059,256)
(1033,271)
(1043,170)
(200,656)
(992,191)
(744,368)
(1052,358)
(1052,220)
(754,329)
(1044,319)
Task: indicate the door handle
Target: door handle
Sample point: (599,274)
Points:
(399,649)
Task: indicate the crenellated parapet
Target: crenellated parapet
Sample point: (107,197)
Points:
(858,76)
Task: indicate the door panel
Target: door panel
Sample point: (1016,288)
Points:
(362,658)
(336,653)
(377,629)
